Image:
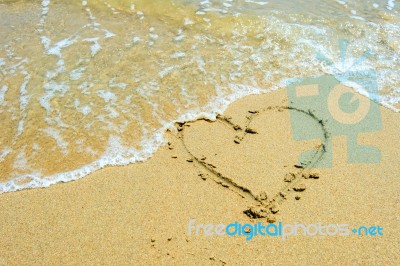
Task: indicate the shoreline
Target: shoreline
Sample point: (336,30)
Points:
(173,126)
(140,212)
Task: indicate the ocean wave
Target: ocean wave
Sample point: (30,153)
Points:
(89,84)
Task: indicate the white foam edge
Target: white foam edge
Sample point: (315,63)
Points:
(383,100)
(256,2)
(3,91)
(150,145)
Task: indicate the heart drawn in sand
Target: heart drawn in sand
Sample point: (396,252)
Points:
(265,168)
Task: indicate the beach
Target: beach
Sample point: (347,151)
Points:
(140,213)
(183,132)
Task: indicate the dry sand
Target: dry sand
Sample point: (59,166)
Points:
(139,214)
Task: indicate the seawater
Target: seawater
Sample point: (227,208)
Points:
(87,84)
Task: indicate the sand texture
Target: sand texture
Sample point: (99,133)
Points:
(242,167)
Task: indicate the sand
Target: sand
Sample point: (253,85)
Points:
(243,167)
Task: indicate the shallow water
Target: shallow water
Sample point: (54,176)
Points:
(85,84)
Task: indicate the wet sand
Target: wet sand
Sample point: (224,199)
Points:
(215,172)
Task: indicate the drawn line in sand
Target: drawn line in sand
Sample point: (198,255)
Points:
(263,206)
